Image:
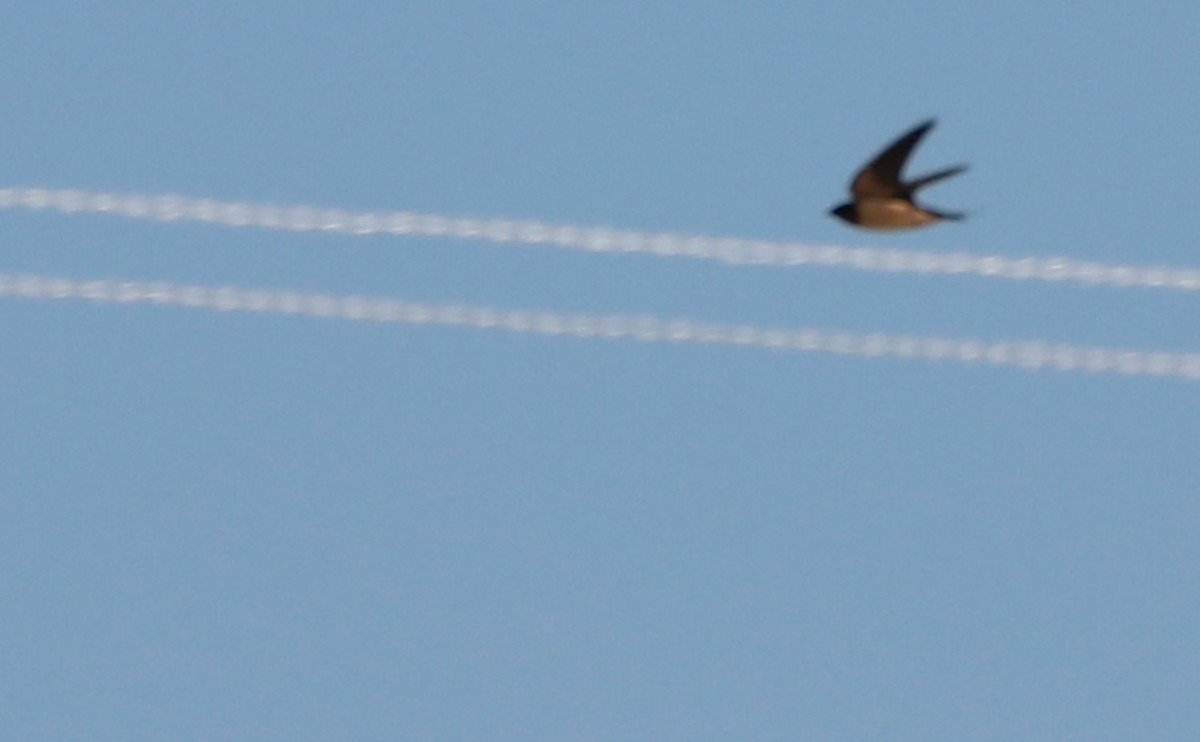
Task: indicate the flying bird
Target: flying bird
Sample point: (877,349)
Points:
(882,201)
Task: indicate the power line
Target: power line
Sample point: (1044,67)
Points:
(1025,354)
(736,251)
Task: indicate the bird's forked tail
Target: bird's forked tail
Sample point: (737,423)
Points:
(932,178)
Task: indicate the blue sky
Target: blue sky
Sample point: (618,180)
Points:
(233,526)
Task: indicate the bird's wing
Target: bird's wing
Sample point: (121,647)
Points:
(881,176)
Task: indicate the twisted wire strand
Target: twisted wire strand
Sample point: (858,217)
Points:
(730,250)
(1026,354)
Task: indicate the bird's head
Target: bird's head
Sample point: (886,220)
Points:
(846,212)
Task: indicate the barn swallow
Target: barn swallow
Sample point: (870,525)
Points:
(882,201)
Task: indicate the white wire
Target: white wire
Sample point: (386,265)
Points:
(168,208)
(1022,354)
